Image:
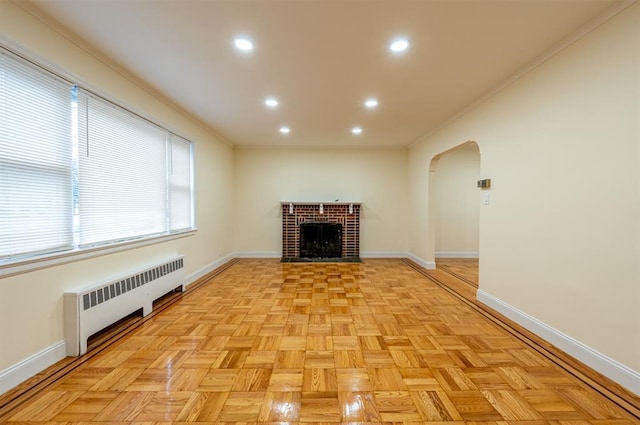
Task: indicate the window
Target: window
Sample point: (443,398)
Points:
(123,173)
(35,161)
(180,183)
(77,171)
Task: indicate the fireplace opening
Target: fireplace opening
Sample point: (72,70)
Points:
(321,240)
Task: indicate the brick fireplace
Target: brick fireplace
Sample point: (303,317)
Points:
(296,213)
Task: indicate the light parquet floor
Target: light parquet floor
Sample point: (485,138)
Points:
(465,269)
(329,343)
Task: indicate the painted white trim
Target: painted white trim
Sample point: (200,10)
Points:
(536,62)
(64,73)
(277,254)
(192,277)
(32,365)
(623,375)
(36,363)
(429,265)
(70,256)
(384,254)
(257,254)
(457,254)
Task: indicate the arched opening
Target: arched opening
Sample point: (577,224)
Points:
(454,210)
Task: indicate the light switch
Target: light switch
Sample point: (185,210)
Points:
(485,198)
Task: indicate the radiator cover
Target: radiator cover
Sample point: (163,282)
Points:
(91,309)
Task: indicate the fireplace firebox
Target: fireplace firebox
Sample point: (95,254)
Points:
(320,240)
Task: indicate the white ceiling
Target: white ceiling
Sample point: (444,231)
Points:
(321,59)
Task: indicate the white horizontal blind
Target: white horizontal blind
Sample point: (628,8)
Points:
(123,173)
(180,184)
(77,170)
(35,161)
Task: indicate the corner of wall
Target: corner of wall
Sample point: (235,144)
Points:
(429,265)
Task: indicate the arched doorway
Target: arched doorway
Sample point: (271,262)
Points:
(454,210)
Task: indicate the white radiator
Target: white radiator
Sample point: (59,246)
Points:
(92,309)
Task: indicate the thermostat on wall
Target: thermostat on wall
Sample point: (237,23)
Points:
(484,184)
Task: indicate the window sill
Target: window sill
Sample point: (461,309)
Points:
(58,258)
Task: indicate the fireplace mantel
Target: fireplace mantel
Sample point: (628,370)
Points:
(296,213)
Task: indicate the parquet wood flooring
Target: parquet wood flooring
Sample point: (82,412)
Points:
(319,343)
(465,269)
(467,293)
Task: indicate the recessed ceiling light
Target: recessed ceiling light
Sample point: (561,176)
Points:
(285,130)
(371,103)
(243,44)
(271,102)
(356,130)
(399,45)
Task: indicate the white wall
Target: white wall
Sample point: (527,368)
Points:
(560,238)
(457,201)
(31,304)
(265,177)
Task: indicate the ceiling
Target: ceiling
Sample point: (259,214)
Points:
(322,59)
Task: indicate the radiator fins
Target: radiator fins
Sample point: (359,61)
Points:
(125,285)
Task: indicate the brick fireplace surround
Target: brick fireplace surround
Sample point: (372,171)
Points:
(347,214)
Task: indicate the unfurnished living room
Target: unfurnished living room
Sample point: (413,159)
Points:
(320,212)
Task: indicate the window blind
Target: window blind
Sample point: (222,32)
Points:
(122,173)
(77,170)
(35,160)
(180,184)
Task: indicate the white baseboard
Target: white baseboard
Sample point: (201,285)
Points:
(276,254)
(429,265)
(192,277)
(257,254)
(617,372)
(32,365)
(384,254)
(36,363)
(457,254)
